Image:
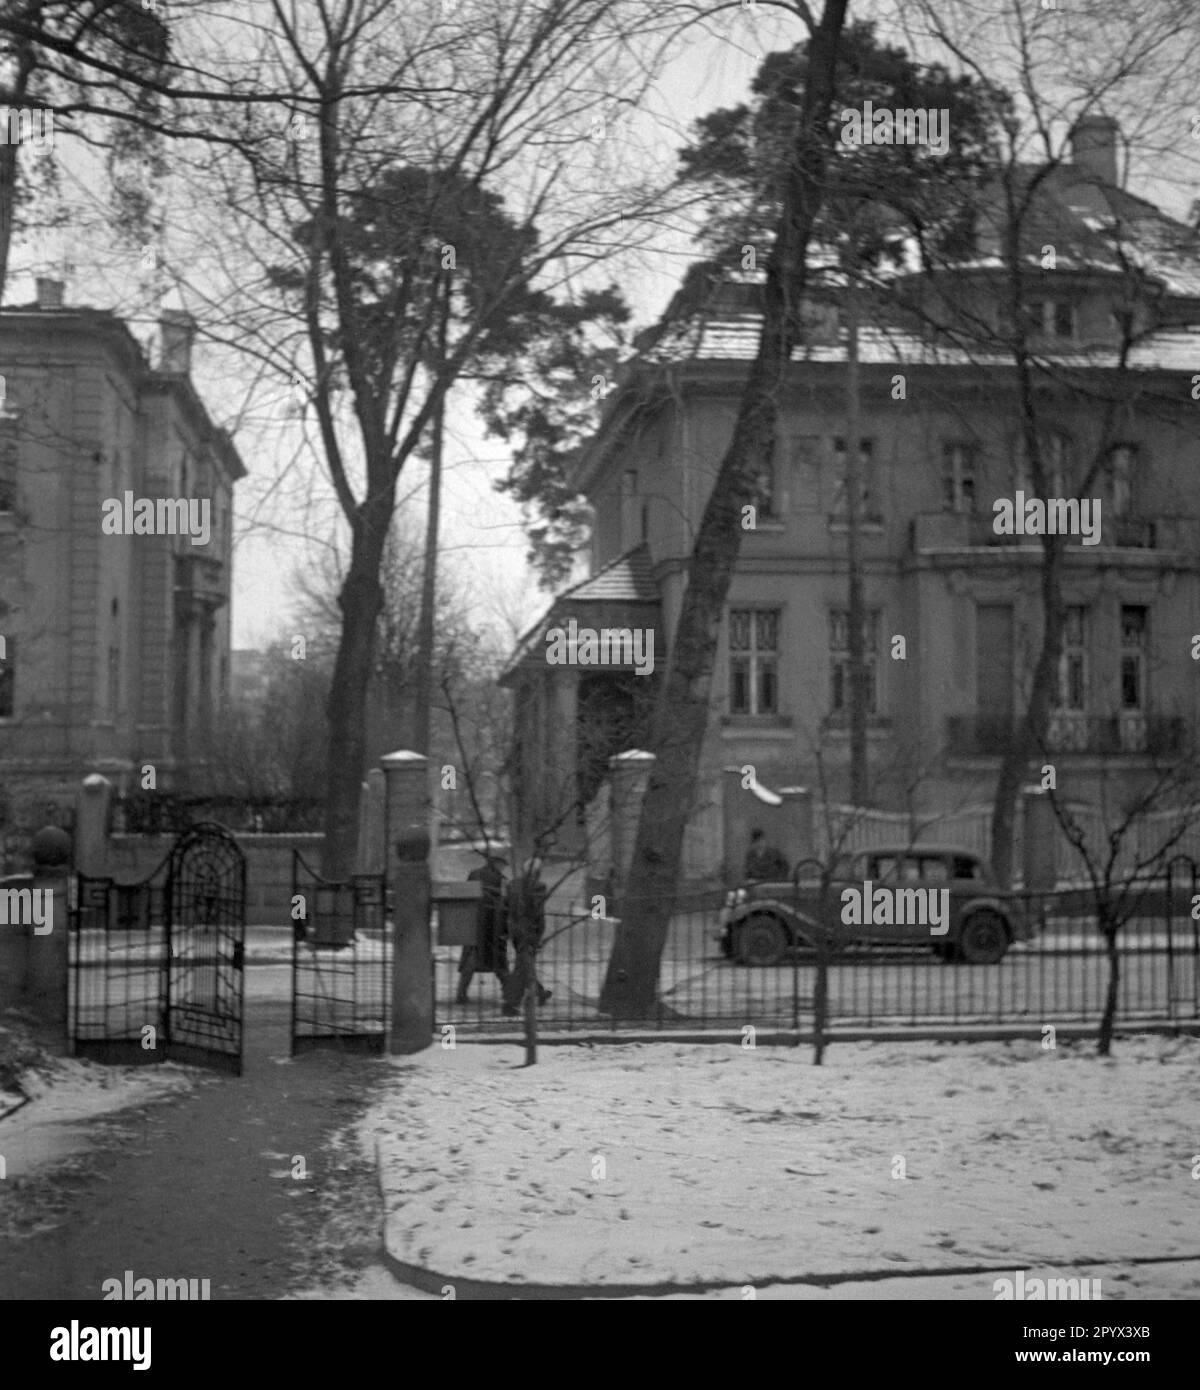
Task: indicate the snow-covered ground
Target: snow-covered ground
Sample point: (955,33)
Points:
(66,1095)
(665,1163)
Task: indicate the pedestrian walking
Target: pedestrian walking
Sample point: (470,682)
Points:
(526,926)
(490,951)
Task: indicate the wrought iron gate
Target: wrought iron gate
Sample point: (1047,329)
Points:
(156,967)
(341,994)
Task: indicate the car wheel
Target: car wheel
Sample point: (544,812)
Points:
(762,940)
(983,939)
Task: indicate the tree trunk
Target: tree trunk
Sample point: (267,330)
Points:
(422,697)
(9,167)
(361,600)
(856,608)
(682,712)
(1030,732)
(1110,999)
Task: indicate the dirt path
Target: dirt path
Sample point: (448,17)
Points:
(202,1186)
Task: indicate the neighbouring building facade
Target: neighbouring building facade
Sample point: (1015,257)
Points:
(941,441)
(115,619)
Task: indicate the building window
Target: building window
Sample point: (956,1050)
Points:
(753,660)
(866,451)
(8,463)
(1133,658)
(1122,464)
(839,659)
(1050,318)
(8,654)
(1072,661)
(819,322)
(958,476)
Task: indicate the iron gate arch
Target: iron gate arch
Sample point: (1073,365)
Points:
(206,933)
(163,958)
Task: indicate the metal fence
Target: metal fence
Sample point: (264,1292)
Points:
(1060,976)
(341,994)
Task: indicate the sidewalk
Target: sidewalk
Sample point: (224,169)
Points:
(205,1185)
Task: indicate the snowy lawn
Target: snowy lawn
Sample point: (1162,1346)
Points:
(64,1096)
(669,1163)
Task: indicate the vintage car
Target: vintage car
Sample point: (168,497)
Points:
(940,896)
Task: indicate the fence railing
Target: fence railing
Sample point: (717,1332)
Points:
(341,994)
(1059,976)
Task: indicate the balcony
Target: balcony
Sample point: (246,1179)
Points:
(960,530)
(201,581)
(1128,733)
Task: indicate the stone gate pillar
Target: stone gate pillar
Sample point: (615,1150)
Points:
(406,776)
(33,938)
(91,826)
(628,774)
(1041,834)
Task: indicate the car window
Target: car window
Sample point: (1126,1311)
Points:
(934,869)
(884,867)
(966,867)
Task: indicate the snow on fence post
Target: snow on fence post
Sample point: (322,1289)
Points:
(91,826)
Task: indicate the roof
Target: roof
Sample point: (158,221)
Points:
(734,338)
(1095,228)
(627,579)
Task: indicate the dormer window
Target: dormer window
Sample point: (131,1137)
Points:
(1050,318)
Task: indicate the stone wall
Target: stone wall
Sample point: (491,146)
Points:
(268,867)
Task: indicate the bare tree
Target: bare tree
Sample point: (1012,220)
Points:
(1126,863)
(434,164)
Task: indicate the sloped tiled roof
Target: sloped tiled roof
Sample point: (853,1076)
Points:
(1093,227)
(735,339)
(629,578)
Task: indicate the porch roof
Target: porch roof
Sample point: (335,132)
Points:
(629,579)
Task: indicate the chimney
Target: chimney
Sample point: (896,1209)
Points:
(49,293)
(177,330)
(1094,147)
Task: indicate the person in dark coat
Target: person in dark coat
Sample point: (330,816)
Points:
(490,952)
(764,863)
(526,926)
